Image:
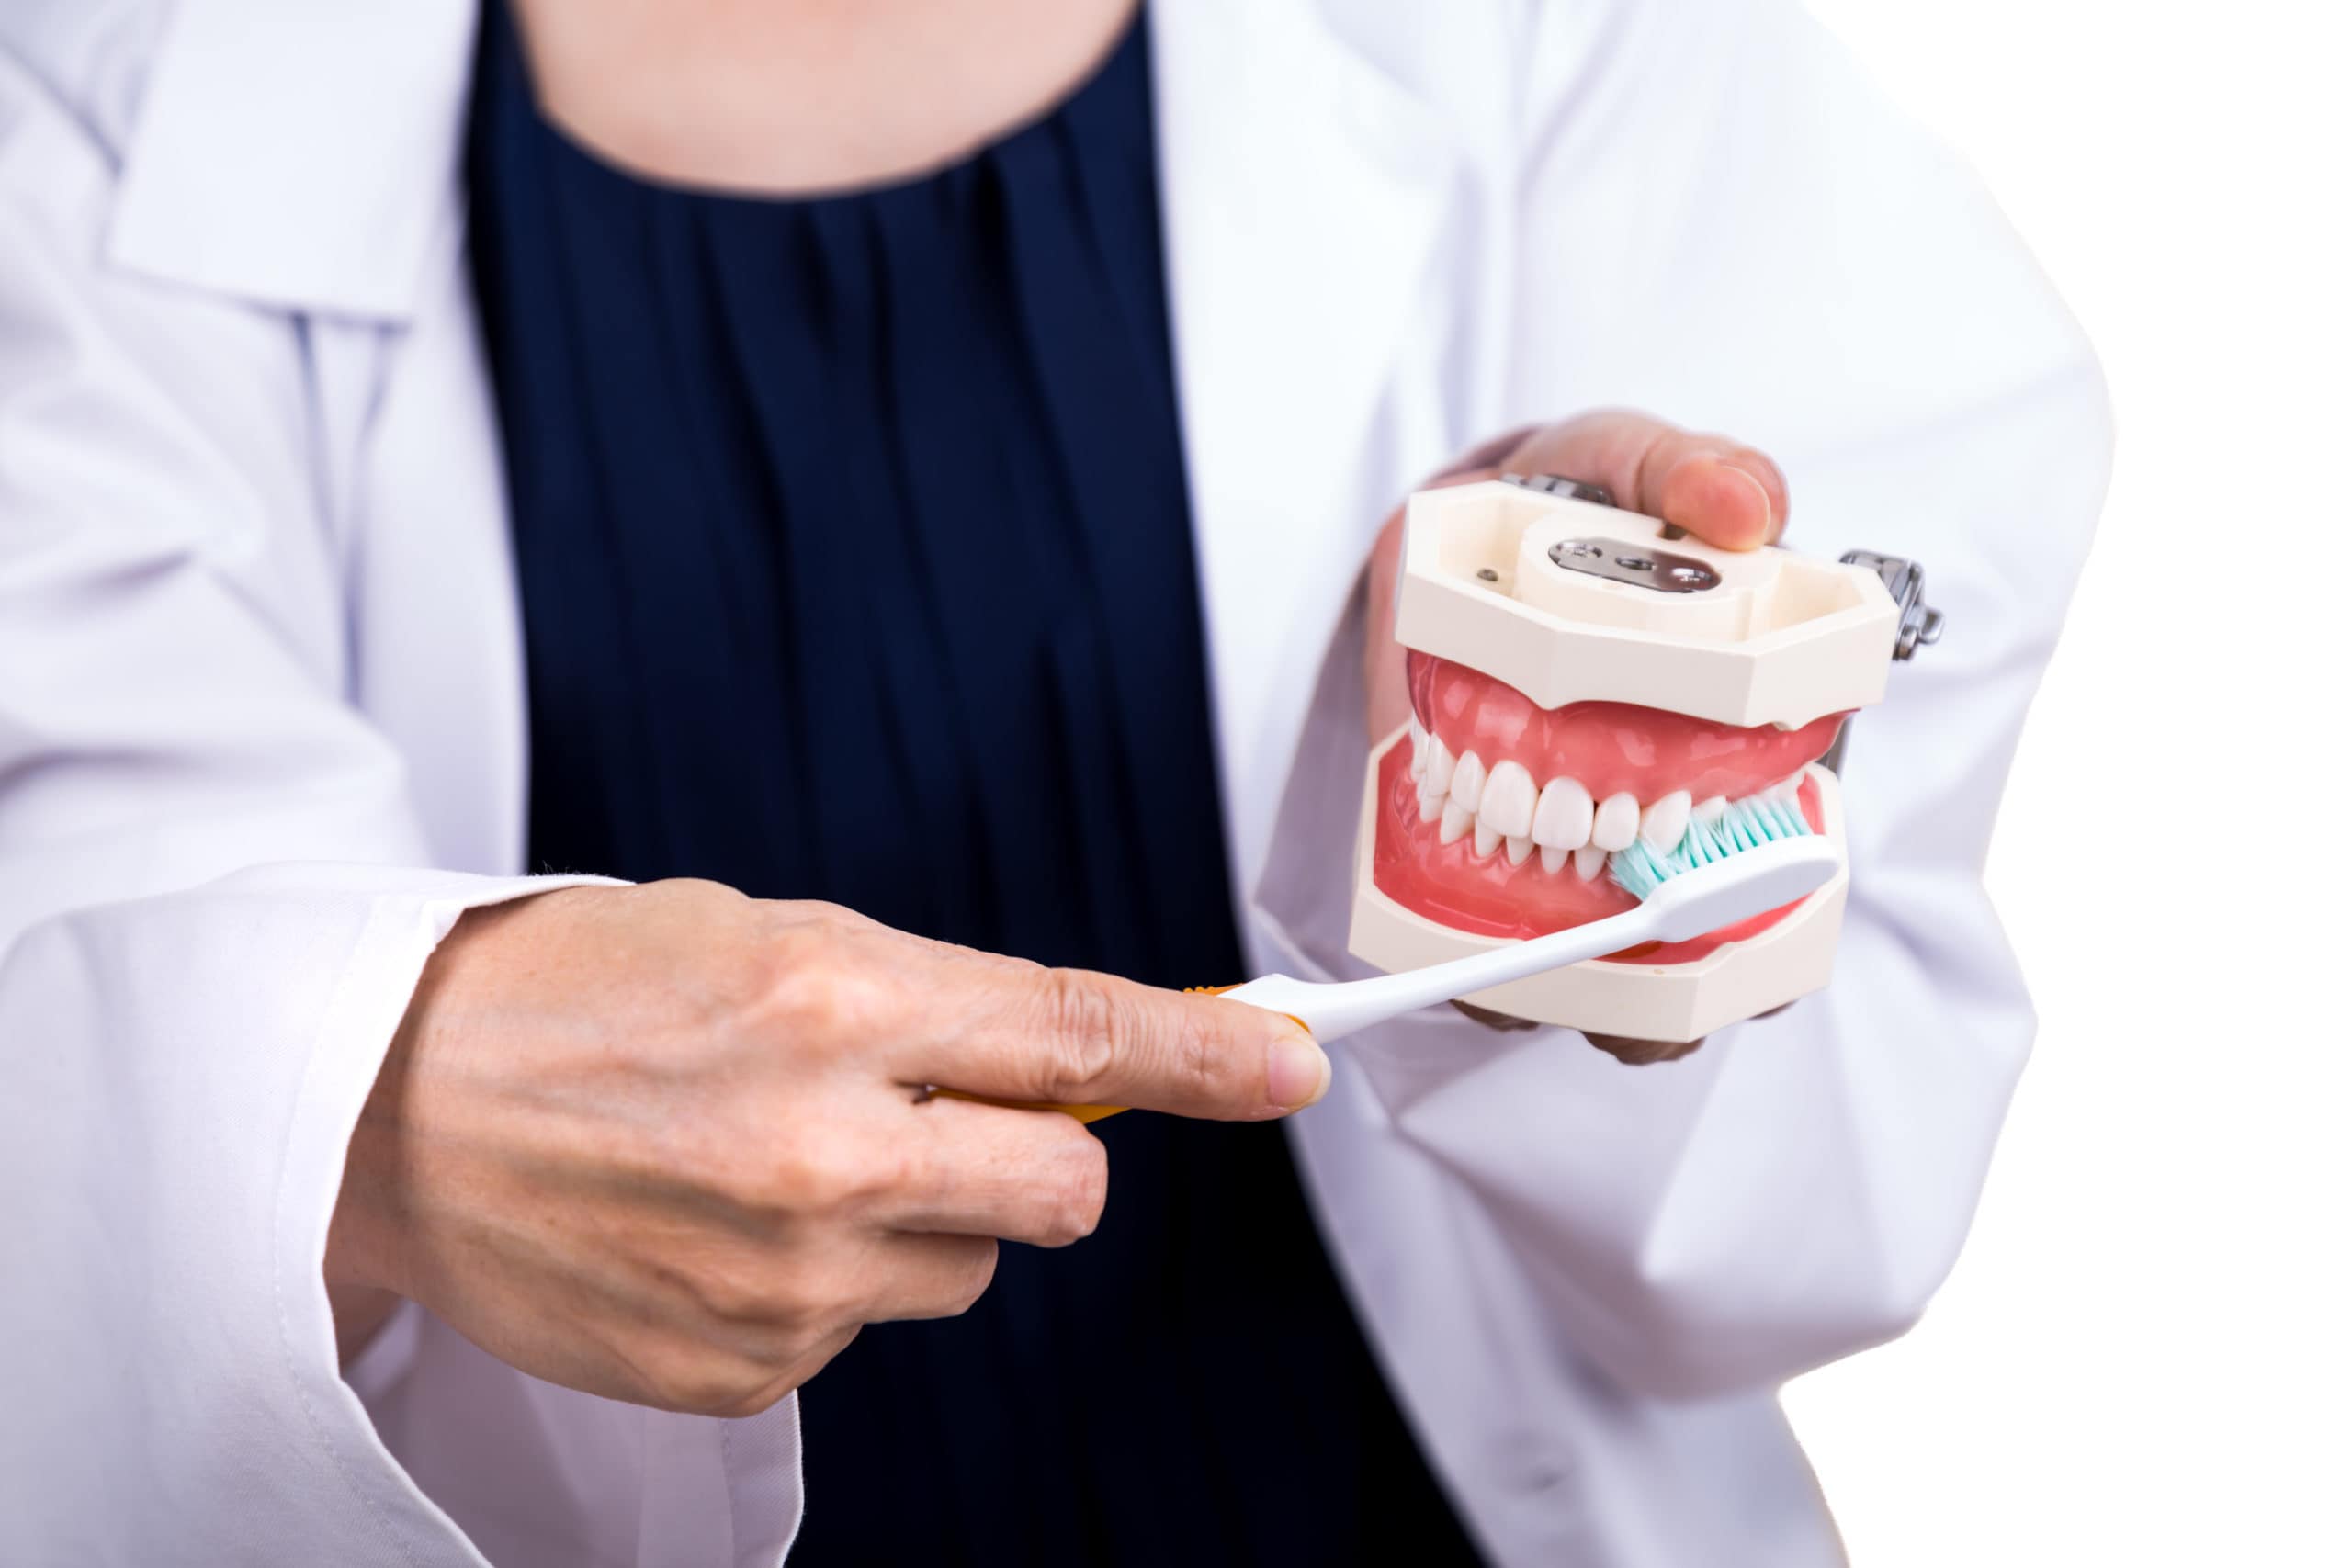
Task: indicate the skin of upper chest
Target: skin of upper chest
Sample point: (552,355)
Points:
(804,97)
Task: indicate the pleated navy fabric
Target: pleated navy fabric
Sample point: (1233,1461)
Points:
(856,564)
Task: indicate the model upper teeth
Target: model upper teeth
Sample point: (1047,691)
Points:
(1615,821)
(1437,772)
(1663,819)
(1469,782)
(1562,818)
(1499,807)
(1508,805)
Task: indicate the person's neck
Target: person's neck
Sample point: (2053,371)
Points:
(792,97)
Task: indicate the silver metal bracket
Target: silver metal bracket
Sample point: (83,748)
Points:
(1639,565)
(1920,625)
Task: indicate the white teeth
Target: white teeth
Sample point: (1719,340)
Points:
(1508,805)
(1469,782)
(1437,775)
(1665,818)
(1563,817)
(1615,821)
(1504,809)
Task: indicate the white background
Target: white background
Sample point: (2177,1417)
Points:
(2142,1357)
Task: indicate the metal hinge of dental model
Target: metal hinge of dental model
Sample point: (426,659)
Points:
(1919,624)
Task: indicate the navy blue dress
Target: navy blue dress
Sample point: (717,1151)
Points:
(856,564)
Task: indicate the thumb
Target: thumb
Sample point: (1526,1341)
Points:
(1730,495)
(1073,1037)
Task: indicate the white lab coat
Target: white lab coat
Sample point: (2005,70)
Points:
(256,611)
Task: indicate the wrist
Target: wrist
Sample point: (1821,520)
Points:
(362,1262)
(364,1249)
(363,1252)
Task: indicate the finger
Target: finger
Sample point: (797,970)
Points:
(1644,1052)
(925,1276)
(987,1171)
(1071,1036)
(1727,493)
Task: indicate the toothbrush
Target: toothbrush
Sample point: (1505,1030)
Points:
(1755,856)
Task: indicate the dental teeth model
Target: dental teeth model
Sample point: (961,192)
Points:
(1582,680)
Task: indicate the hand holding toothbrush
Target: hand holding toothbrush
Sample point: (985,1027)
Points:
(674,1145)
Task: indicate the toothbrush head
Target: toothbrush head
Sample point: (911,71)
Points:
(1714,835)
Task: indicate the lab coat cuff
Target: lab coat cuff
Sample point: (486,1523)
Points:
(408,915)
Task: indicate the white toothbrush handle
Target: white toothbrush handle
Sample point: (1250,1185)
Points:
(1330,1009)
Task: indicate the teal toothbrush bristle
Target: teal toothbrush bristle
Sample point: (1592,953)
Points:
(1743,825)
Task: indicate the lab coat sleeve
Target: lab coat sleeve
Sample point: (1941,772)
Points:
(1721,225)
(214,902)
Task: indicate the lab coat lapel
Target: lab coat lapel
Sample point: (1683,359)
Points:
(1302,190)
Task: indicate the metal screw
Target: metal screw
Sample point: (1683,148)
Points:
(1488,574)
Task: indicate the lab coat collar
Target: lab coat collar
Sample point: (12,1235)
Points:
(299,155)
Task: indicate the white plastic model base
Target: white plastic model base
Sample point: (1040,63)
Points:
(1519,584)
(1673,1002)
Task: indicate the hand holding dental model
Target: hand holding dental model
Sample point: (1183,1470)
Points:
(670,1144)
(1506,789)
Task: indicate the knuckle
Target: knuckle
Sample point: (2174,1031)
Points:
(1078,1199)
(977,1277)
(1085,1030)
(697,1382)
(1200,1057)
(812,995)
(731,1290)
(821,1170)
